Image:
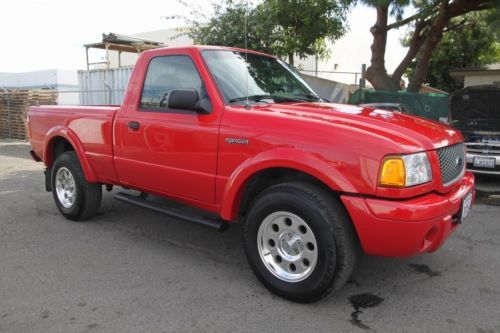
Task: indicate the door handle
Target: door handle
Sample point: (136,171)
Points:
(133,125)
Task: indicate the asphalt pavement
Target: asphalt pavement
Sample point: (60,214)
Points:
(133,270)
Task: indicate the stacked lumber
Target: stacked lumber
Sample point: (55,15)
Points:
(18,102)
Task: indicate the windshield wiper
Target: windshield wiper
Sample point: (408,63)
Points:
(256,98)
(310,97)
(275,98)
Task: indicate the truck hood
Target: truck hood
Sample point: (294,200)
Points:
(410,132)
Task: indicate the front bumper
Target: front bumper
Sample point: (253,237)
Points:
(399,228)
(486,171)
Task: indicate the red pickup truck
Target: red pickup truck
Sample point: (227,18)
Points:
(240,136)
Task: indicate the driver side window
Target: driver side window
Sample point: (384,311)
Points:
(166,74)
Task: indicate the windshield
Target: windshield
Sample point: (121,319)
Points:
(269,80)
(476,108)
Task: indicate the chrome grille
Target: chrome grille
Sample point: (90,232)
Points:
(451,162)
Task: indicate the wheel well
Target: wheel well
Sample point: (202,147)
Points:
(269,177)
(58,146)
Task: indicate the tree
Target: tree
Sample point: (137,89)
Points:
(432,19)
(302,26)
(280,27)
(470,41)
(226,26)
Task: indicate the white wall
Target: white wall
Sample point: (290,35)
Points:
(39,79)
(353,49)
(60,80)
(481,79)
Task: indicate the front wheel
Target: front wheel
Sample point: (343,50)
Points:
(75,198)
(300,241)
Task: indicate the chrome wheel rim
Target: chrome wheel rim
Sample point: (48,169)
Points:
(287,246)
(65,187)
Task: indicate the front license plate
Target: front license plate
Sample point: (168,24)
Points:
(484,162)
(466,205)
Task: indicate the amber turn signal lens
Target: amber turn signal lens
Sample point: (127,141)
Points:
(393,172)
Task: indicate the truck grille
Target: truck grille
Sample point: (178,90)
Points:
(451,162)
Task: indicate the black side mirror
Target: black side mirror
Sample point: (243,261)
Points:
(188,99)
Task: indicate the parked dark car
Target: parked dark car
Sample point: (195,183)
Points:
(476,112)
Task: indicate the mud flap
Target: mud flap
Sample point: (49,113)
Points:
(48,183)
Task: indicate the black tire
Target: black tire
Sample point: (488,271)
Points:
(88,195)
(337,244)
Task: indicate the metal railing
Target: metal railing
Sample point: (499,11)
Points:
(106,96)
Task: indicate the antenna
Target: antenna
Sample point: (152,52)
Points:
(247,104)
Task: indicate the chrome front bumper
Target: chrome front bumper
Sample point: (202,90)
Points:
(486,171)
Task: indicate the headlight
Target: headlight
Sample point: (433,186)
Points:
(406,170)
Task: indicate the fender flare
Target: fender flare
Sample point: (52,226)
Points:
(72,138)
(279,158)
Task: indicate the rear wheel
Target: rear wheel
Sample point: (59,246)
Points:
(300,241)
(75,198)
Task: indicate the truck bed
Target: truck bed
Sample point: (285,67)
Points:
(90,125)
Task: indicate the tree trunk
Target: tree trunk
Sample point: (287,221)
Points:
(376,72)
(415,45)
(432,39)
(427,35)
(290,59)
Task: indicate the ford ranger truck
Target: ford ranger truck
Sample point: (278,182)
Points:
(241,137)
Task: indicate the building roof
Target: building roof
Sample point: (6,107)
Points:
(117,42)
(431,90)
(495,67)
(459,74)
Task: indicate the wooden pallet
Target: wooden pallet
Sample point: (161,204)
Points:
(18,102)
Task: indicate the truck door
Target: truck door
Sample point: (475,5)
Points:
(164,150)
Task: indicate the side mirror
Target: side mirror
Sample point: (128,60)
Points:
(188,99)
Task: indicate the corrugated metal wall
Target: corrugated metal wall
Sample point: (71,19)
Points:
(103,86)
(335,92)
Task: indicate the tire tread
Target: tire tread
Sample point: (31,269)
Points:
(339,225)
(90,194)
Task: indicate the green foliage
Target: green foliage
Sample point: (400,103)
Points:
(471,41)
(397,7)
(302,26)
(279,27)
(226,26)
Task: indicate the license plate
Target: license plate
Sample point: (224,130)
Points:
(484,162)
(466,206)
